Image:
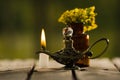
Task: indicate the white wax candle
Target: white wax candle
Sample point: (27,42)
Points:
(43,60)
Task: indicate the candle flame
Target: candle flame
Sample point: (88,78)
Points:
(43,39)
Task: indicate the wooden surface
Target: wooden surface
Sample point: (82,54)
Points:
(100,69)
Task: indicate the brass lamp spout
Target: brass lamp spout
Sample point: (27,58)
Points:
(45,52)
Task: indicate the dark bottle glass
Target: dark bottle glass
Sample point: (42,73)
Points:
(80,42)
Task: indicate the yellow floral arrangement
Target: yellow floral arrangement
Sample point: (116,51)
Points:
(80,15)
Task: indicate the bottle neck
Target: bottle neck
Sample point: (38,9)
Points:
(68,43)
(78,28)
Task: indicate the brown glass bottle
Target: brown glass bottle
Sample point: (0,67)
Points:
(80,42)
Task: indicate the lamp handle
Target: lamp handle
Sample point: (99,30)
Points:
(107,44)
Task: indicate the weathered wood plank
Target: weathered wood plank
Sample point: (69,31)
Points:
(13,75)
(116,62)
(100,69)
(54,71)
(15,69)
(9,65)
(52,75)
(102,64)
(98,75)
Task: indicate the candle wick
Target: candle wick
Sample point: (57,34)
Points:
(43,48)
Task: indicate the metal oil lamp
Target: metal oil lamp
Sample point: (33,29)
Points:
(68,56)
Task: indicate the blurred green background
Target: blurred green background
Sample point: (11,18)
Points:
(21,22)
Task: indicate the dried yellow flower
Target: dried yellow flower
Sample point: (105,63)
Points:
(80,15)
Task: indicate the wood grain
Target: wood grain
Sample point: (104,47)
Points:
(15,69)
(116,62)
(100,69)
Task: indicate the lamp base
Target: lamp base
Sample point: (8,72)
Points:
(74,67)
